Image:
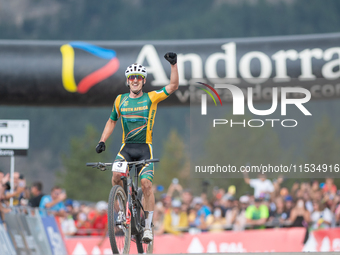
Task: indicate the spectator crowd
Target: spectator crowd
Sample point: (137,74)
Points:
(311,204)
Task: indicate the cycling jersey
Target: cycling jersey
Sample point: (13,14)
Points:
(138,115)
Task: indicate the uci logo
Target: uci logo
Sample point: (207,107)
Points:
(67,51)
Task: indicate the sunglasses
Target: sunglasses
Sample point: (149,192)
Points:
(138,77)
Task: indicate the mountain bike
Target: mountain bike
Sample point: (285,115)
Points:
(126,215)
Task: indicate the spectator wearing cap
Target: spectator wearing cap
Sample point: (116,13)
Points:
(241,220)
(175,219)
(100,220)
(289,205)
(36,191)
(257,214)
(54,202)
(201,208)
(202,212)
(262,186)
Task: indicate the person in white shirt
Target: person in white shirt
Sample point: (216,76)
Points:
(262,186)
(322,217)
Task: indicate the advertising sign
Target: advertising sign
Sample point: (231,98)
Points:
(14,137)
(268,240)
(92,73)
(37,230)
(323,240)
(53,235)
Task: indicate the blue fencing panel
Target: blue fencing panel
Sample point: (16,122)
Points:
(53,235)
(38,232)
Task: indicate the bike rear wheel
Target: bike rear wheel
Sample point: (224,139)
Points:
(140,217)
(119,230)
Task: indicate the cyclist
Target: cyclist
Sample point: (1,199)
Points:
(137,110)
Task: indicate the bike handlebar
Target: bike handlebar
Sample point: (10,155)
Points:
(140,162)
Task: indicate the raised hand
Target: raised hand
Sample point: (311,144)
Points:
(171,57)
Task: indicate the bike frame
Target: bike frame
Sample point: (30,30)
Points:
(134,204)
(130,186)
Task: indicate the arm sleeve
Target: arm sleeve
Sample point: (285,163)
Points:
(264,212)
(43,202)
(158,95)
(115,114)
(270,186)
(62,206)
(252,182)
(249,213)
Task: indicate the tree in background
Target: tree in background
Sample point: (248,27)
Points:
(174,162)
(323,146)
(79,181)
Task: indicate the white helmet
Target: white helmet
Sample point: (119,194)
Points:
(136,69)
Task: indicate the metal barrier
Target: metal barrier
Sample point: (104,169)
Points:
(6,246)
(32,232)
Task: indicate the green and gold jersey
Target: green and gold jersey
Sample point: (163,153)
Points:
(138,115)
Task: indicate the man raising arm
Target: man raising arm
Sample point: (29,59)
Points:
(138,110)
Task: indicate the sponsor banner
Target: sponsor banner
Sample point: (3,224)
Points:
(37,230)
(267,240)
(92,73)
(323,240)
(53,235)
(6,246)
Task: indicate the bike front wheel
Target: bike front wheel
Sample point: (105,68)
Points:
(119,229)
(141,246)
